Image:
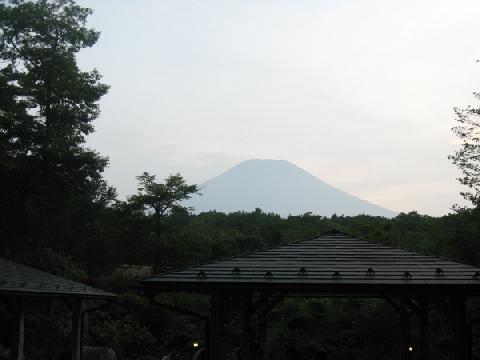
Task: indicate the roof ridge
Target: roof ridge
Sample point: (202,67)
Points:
(418,252)
(333,233)
(227,258)
(327,233)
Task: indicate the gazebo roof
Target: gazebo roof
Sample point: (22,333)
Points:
(20,279)
(333,262)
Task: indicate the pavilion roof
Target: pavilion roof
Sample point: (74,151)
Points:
(331,262)
(20,279)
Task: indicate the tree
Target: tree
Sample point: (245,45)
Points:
(160,198)
(160,201)
(52,183)
(467,158)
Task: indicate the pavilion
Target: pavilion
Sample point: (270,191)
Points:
(20,283)
(332,264)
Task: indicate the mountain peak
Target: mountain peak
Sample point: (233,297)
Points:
(262,163)
(280,187)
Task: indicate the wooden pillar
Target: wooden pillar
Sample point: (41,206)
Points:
(206,333)
(18,309)
(77,309)
(424,333)
(404,331)
(469,341)
(263,333)
(85,325)
(460,327)
(247,328)
(215,325)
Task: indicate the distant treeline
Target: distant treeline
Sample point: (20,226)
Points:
(185,239)
(123,234)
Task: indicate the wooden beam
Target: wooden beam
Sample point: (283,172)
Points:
(411,305)
(404,330)
(469,341)
(206,333)
(17,305)
(262,299)
(187,312)
(247,327)
(85,326)
(460,327)
(445,307)
(392,303)
(470,328)
(263,334)
(272,301)
(269,301)
(215,327)
(77,310)
(180,310)
(424,333)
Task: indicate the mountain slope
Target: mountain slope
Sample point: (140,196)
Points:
(280,187)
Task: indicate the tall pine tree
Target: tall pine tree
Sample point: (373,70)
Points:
(50,182)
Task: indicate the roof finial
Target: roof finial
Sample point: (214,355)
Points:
(335,232)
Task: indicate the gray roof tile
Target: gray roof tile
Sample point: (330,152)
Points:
(20,279)
(330,261)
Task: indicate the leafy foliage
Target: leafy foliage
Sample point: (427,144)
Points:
(51,184)
(162,199)
(467,159)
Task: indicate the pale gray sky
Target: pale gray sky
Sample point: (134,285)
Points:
(358,93)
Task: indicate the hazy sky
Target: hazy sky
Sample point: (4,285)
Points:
(359,93)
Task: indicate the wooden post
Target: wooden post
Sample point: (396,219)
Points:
(216,322)
(423,322)
(85,324)
(404,331)
(206,333)
(247,328)
(460,327)
(77,309)
(469,341)
(18,307)
(263,333)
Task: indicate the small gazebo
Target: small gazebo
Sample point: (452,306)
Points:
(20,283)
(332,264)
